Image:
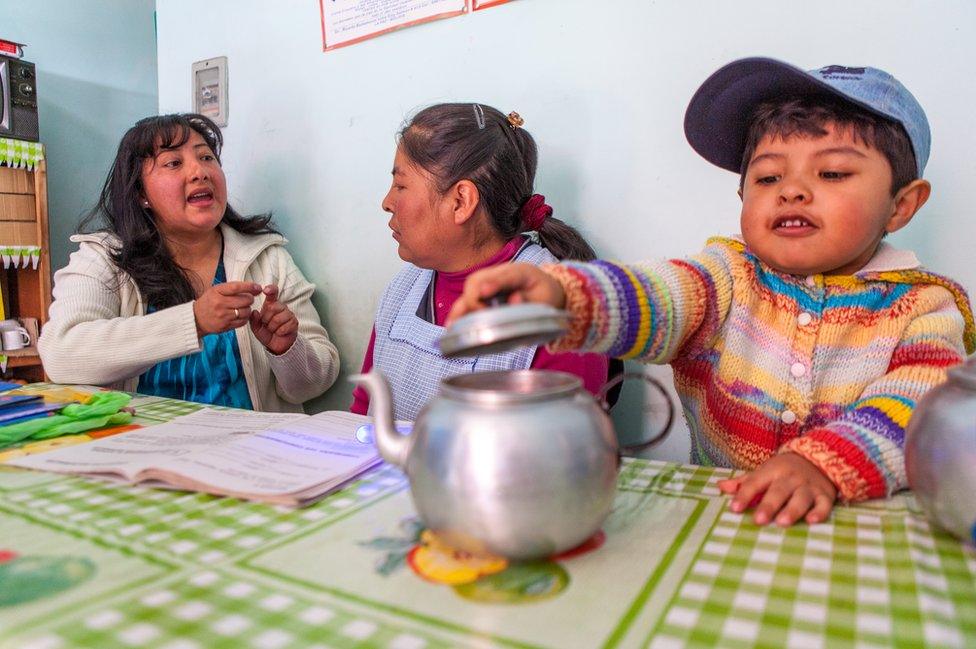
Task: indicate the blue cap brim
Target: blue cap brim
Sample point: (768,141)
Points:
(718,116)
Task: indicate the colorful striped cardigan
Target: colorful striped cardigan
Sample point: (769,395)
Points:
(829,367)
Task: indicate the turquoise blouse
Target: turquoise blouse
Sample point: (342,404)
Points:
(214,375)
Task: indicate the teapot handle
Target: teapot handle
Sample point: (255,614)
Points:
(601,398)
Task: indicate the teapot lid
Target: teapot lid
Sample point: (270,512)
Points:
(503,328)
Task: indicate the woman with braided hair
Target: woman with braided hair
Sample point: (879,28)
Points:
(461,200)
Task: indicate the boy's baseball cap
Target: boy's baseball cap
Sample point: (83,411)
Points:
(717,119)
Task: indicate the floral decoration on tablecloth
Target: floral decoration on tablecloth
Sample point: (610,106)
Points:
(484,578)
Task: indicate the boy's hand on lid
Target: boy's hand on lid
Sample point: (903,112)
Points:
(522,282)
(786,488)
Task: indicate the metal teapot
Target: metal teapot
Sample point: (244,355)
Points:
(940,452)
(519,463)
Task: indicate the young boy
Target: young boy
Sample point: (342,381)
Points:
(800,349)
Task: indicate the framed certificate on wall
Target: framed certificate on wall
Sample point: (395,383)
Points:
(345,22)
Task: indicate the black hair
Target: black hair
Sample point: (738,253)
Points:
(810,115)
(454,142)
(143,254)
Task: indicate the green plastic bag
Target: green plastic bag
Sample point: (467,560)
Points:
(101,410)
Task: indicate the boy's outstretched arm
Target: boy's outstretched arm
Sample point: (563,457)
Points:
(651,311)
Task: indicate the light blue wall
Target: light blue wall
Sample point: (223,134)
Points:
(96,75)
(602,86)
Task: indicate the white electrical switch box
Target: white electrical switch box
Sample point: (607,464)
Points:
(210,89)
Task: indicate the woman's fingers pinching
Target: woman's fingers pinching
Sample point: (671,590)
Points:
(276,321)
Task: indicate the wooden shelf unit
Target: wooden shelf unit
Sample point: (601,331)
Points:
(26,291)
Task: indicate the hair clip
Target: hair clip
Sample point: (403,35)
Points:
(515,120)
(479,116)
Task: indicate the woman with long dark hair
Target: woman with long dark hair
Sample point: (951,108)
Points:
(174,293)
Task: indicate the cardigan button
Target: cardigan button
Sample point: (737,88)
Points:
(804,319)
(788,417)
(798,369)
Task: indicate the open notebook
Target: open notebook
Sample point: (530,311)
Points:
(280,458)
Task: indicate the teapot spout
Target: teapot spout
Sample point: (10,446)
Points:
(393,446)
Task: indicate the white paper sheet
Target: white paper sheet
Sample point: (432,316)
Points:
(348,21)
(242,453)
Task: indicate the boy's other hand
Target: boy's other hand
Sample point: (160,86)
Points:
(523,282)
(786,488)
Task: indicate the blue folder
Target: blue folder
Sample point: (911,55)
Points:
(13,414)
(17,400)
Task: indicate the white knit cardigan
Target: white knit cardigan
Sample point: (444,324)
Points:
(99,332)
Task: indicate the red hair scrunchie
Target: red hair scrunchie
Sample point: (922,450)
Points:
(535,211)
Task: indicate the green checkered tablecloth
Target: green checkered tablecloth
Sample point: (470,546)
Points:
(120,566)
(20,153)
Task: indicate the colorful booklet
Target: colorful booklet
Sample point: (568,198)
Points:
(280,458)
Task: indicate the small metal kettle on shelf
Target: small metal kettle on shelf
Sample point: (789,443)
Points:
(940,452)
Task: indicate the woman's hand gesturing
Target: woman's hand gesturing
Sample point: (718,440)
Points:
(223,307)
(275,326)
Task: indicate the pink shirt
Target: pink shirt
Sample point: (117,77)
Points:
(592,368)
